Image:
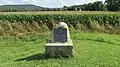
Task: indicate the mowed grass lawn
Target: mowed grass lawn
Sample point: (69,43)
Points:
(90,50)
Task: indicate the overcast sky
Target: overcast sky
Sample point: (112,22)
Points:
(47,3)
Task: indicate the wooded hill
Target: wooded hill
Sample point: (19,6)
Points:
(17,8)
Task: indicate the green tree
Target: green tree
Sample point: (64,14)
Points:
(113,5)
(65,8)
(98,6)
(90,7)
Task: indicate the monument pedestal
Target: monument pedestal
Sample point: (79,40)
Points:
(59,49)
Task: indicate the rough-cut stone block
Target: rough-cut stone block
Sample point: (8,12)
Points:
(59,49)
(53,51)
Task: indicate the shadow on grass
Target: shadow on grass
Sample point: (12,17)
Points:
(39,57)
(34,57)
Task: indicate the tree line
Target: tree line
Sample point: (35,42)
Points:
(108,5)
(96,6)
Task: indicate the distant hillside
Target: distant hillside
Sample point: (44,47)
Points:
(16,8)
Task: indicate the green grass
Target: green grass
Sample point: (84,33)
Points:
(90,50)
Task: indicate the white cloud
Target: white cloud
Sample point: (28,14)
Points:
(33,0)
(1,4)
(8,2)
(88,1)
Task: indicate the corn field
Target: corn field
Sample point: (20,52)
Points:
(24,23)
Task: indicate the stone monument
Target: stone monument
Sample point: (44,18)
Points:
(61,44)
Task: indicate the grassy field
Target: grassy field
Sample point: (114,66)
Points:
(90,50)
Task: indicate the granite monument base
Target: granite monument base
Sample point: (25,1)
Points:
(59,49)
